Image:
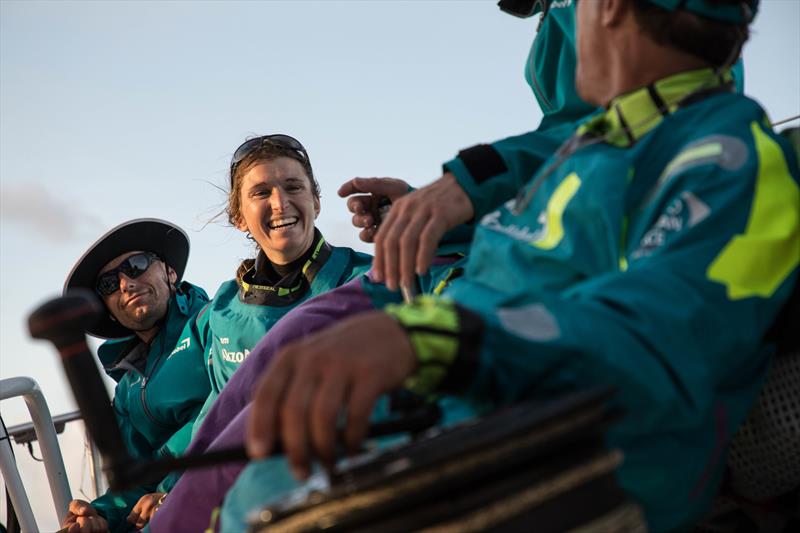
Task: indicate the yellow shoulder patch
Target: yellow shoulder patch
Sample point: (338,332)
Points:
(756,262)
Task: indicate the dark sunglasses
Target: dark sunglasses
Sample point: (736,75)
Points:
(133,267)
(523,8)
(249,146)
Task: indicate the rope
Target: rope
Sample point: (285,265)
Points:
(784,121)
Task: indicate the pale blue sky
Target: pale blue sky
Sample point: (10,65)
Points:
(116,110)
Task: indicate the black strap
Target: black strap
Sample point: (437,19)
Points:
(483,162)
(660,104)
(625,126)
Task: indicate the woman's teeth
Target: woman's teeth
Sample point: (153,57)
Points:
(282,222)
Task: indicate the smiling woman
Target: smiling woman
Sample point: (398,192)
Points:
(274,199)
(278,209)
(277,206)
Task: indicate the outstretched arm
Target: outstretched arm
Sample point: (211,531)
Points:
(480,179)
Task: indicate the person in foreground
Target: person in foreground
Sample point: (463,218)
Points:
(136,269)
(650,253)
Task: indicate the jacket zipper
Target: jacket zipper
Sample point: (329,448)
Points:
(536,87)
(145,381)
(146,409)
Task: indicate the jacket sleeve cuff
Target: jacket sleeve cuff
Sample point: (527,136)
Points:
(446,340)
(458,169)
(477,170)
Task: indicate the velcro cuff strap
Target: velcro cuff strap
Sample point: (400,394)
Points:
(483,162)
(446,355)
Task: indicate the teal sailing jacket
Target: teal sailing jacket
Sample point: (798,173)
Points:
(233,326)
(651,253)
(160,389)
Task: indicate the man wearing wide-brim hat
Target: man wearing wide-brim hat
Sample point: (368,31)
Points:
(136,269)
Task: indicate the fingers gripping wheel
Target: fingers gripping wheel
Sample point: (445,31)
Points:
(63,322)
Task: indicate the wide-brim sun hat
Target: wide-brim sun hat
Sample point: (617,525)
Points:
(163,238)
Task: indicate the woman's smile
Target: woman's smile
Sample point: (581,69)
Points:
(278,208)
(282,223)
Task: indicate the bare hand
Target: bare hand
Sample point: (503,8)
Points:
(145,508)
(83,518)
(407,238)
(344,368)
(365,205)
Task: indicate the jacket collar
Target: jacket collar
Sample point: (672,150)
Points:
(321,253)
(631,116)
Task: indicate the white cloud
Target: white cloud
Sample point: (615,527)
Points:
(34,206)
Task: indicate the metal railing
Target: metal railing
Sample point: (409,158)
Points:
(44,431)
(24,434)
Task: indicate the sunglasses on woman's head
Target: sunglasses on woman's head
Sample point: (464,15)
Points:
(133,267)
(249,146)
(524,8)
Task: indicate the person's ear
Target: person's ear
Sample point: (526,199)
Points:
(317,206)
(241,224)
(173,276)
